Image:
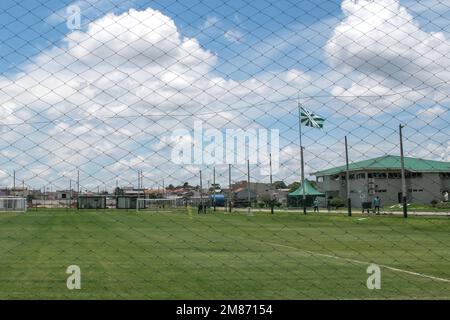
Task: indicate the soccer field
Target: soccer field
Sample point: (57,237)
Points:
(183,255)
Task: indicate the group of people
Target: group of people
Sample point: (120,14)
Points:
(376,204)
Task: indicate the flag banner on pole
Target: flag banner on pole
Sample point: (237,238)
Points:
(310,119)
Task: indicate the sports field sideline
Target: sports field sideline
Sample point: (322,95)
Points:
(183,255)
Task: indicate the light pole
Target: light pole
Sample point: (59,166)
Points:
(402,161)
(347,176)
(229,187)
(272,196)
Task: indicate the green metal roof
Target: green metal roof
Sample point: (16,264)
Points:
(309,190)
(389,162)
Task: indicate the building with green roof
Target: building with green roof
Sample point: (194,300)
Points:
(426,180)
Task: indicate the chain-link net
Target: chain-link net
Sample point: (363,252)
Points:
(225,149)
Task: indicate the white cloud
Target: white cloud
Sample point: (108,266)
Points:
(380,49)
(89,9)
(233,35)
(432,113)
(3,175)
(108,92)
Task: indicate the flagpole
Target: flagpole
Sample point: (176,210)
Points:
(301,158)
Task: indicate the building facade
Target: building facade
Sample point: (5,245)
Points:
(426,180)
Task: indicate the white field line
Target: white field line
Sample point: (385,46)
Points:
(356,261)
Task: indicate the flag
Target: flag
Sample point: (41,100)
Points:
(310,119)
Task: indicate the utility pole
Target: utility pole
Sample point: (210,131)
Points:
(229,187)
(347,177)
(248,187)
(142,184)
(402,161)
(14,183)
(214,187)
(78,188)
(70,192)
(139,184)
(201,193)
(271,184)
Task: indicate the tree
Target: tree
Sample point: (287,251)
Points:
(186,185)
(294,186)
(30,198)
(279,185)
(155,195)
(170,187)
(214,187)
(265,199)
(118,191)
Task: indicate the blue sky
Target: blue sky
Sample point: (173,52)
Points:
(31,26)
(277,51)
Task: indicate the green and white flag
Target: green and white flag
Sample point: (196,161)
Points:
(310,119)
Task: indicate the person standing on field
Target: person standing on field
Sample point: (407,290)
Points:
(316,205)
(376,204)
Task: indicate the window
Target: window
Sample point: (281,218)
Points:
(394,175)
(445,175)
(413,175)
(415,190)
(361,176)
(377,175)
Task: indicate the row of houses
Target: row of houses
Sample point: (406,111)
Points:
(37,194)
(426,181)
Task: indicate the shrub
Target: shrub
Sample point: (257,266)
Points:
(337,202)
(433,203)
(443,205)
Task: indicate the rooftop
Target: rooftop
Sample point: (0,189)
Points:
(390,162)
(309,190)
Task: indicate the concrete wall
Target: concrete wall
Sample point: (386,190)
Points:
(419,189)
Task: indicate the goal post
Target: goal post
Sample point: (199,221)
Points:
(13,204)
(156,204)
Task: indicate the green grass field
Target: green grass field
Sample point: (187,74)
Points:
(183,255)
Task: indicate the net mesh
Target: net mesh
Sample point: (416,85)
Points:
(269,122)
